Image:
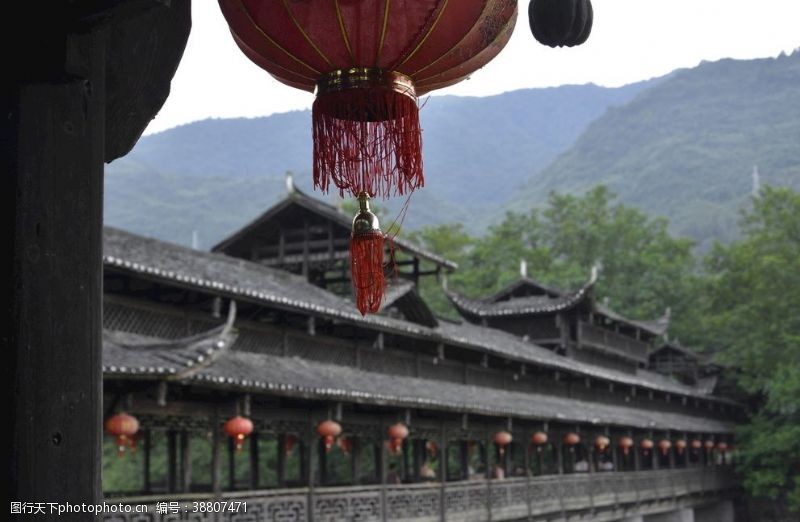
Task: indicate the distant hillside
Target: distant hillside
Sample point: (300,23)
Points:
(685,148)
(214,175)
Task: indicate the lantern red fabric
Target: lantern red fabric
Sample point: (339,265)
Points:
(680,445)
(696,444)
(368,61)
(571,439)
(539,438)
(397,434)
(289,442)
(708,445)
(238,428)
(366,259)
(646,445)
(664,445)
(329,430)
(124,427)
(601,443)
(501,440)
(625,444)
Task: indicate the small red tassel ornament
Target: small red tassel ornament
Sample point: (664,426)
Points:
(366,259)
(366,132)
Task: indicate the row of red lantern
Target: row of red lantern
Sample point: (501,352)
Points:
(125,427)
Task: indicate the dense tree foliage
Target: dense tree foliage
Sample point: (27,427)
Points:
(741,305)
(752,311)
(644,269)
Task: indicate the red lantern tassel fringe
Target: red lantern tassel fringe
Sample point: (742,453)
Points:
(367,140)
(366,265)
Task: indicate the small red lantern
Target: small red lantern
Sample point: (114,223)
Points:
(289,442)
(539,439)
(345,444)
(238,428)
(664,445)
(397,434)
(646,445)
(432,448)
(124,427)
(722,447)
(625,444)
(571,439)
(696,444)
(680,445)
(501,440)
(601,442)
(329,430)
(709,445)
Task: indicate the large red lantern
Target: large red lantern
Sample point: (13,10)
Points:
(601,442)
(124,427)
(664,445)
(625,444)
(368,61)
(329,430)
(501,440)
(238,428)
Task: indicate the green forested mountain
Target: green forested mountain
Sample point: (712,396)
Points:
(686,147)
(683,146)
(214,175)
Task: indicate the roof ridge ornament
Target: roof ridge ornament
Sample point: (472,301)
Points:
(290,188)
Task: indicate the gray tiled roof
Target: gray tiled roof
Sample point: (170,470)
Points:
(297,197)
(247,281)
(292,376)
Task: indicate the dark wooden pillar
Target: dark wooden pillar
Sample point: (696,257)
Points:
(63,83)
(147,449)
(186,462)
(281,472)
(216,461)
(464,459)
(254,458)
(231,464)
(52,146)
(172,461)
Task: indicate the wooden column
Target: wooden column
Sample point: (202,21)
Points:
(186,462)
(355,461)
(52,145)
(309,459)
(216,447)
(254,457)
(172,461)
(443,454)
(231,465)
(281,459)
(147,449)
(464,459)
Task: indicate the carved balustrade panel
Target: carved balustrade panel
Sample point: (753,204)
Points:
(467,501)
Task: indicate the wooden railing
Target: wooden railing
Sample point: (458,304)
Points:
(611,342)
(472,500)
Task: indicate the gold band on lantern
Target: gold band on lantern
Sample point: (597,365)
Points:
(364,78)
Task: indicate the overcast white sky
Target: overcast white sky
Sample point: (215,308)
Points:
(631,40)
